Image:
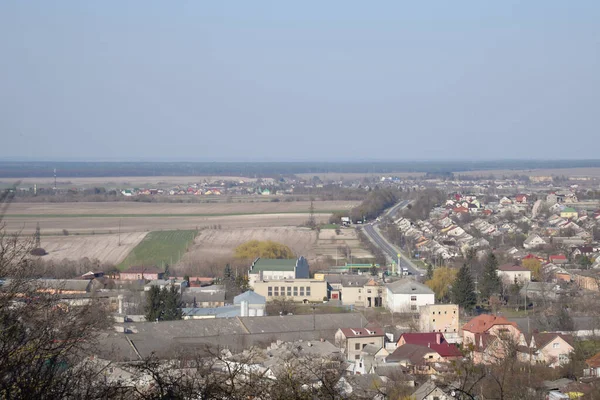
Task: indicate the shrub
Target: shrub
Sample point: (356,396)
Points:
(38,251)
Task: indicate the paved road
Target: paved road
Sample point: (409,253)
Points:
(391,251)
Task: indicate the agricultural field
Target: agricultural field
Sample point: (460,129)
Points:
(107,218)
(160,248)
(329,243)
(104,248)
(219,244)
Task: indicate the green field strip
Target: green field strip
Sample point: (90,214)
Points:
(159,248)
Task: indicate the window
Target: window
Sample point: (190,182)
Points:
(295,290)
(359,290)
(357,357)
(301,290)
(276,291)
(289,291)
(308,290)
(563,358)
(364,345)
(445,312)
(270,291)
(283,290)
(430,357)
(434,320)
(555,345)
(413,298)
(413,307)
(357,346)
(369,291)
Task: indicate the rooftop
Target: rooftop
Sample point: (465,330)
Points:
(362,332)
(484,322)
(512,268)
(271,264)
(408,286)
(430,340)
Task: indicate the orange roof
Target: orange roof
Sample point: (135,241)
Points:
(594,361)
(484,322)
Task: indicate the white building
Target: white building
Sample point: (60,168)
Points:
(406,295)
(514,273)
(266,269)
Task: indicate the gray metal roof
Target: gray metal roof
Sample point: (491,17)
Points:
(251,297)
(408,286)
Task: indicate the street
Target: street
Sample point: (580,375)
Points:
(391,251)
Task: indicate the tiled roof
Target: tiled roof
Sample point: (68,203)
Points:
(430,340)
(140,269)
(510,267)
(594,361)
(411,352)
(362,332)
(484,322)
(542,339)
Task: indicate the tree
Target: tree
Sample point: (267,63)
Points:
(490,281)
(429,274)
(227,272)
(171,304)
(463,289)
(153,304)
(43,341)
(163,305)
(439,282)
(535,266)
(264,249)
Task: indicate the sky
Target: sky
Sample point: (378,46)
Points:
(299,81)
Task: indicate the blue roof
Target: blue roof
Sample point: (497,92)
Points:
(250,297)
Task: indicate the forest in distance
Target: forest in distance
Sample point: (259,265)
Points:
(25,169)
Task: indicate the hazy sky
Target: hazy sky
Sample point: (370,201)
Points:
(322,80)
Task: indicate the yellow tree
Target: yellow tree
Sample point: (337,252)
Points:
(443,277)
(535,266)
(263,249)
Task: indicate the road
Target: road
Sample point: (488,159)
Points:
(391,251)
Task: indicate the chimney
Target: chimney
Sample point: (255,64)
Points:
(438,338)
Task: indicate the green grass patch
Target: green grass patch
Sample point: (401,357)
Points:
(420,264)
(159,248)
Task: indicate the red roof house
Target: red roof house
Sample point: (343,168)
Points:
(433,340)
(558,259)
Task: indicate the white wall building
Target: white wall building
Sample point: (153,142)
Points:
(406,295)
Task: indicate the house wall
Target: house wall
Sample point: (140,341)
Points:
(439,318)
(401,302)
(496,330)
(352,353)
(372,293)
(353,295)
(293,289)
(437,394)
(510,276)
(551,355)
(127,276)
(269,276)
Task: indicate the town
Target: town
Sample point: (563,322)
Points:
(497,277)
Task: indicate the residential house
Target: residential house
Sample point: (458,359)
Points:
(276,269)
(374,294)
(586,279)
(439,318)
(202,299)
(533,241)
(300,290)
(406,295)
(352,291)
(140,272)
(433,390)
(549,348)
(488,336)
(593,366)
(418,359)
(352,341)
(434,341)
(166,283)
(558,259)
(521,198)
(513,274)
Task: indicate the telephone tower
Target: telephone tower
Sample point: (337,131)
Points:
(38,239)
